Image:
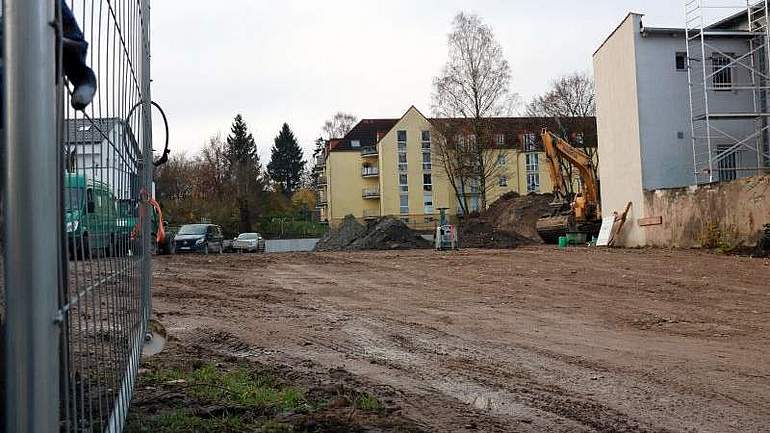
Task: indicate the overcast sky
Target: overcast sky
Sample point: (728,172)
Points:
(300,61)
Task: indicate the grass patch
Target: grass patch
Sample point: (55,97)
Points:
(183,421)
(239,387)
(368,403)
(253,395)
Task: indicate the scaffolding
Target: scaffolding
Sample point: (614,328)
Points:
(728,43)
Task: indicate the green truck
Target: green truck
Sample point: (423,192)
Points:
(92,219)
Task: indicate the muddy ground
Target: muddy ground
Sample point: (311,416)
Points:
(529,340)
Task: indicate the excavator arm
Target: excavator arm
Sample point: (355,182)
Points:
(555,148)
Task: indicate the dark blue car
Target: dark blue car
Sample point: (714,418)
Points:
(199,238)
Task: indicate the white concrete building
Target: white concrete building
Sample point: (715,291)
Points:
(644,77)
(104,150)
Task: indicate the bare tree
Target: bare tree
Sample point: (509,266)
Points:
(474,86)
(339,125)
(571,96)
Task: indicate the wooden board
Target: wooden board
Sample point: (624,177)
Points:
(608,224)
(651,221)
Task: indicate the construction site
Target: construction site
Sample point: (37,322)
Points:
(606,270)
(627,291)
(528,340)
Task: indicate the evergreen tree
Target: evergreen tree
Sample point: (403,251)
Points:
(286,162)
(244,169)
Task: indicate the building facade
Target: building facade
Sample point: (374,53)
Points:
(672,114)
(392,167)
(104,150)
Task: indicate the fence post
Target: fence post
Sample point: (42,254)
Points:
(148,167)
(32,219)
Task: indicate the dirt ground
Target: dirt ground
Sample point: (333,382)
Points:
(529,340)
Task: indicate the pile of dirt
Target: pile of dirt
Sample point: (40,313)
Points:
(510,222)
(479,233)
(341,238)
(385,234)
(518,214)
(390,234)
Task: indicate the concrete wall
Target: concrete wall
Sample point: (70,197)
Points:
(290,245)
(734,213)
(620,159)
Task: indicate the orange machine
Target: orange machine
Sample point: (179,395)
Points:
(577,212)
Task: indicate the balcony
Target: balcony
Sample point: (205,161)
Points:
(371,193)
(370,214)
(320,163)
(369,151)
(370,172)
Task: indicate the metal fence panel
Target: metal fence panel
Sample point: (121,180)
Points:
(78,221)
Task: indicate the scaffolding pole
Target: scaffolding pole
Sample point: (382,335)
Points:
(728,79)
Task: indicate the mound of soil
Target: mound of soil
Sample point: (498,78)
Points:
(385,234)
(518,214)
(390,234)
(479,233)
(341,238)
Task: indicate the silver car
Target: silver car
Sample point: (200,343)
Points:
(249,242)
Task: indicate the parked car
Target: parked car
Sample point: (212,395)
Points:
(201,238)
(250,243)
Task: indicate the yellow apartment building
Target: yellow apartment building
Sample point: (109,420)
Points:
(390,167)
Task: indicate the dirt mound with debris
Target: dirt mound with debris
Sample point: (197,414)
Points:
(339,239)
(518,214)
(385,234)
(390,234)
(479,233)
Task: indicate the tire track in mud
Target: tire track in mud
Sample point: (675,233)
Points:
(469,380)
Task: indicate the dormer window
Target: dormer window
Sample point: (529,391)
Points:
(355,143)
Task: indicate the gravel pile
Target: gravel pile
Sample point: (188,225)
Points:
(385,234)
(339,239)
(390,234)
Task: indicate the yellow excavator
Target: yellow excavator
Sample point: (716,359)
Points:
(577,212)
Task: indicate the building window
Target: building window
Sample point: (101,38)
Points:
(681,61)
(355,143)
(579,139)
(427,164)
(401,136)
(533,172)
(501,160)
(533,182)
(426,136)
(502,181)
(428,203)
(722,72)
(728,165)
(404,204)
(500,140)
(529,142)
(403,182)
(427,182)
(402,158)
